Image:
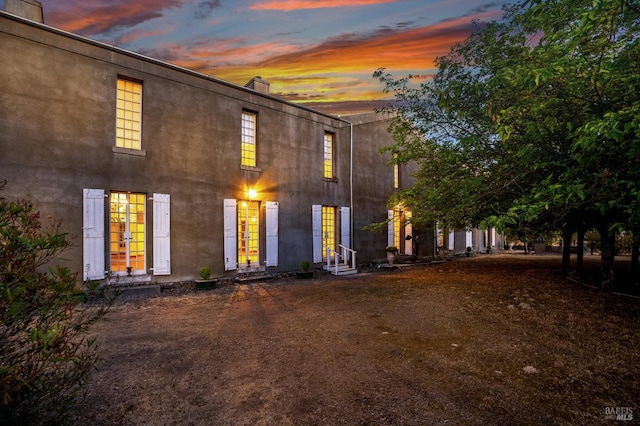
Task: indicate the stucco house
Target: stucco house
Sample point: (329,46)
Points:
(157,170)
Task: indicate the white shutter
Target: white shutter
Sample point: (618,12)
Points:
(230,218)
(345,226)
(452,240)
(93,234)
(161,234)
(345,230)
(316,219)
(390,233)
(468,238)
(272,233)
(408,230)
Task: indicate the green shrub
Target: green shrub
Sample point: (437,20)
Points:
(204,272)
(45,355)
(305,266)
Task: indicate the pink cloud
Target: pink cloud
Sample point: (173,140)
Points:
(289,5)
(91,18)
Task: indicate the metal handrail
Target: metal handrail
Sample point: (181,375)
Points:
(343,254)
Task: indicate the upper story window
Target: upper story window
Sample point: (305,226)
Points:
(396,172)
(248,149)
(129,114)
(328,156)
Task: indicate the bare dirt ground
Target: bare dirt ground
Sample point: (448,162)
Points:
(475,341)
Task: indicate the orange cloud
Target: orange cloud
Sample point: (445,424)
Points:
(414,48)
(289,5)
(134,35)
(338,70)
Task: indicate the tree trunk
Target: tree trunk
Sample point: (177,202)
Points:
(607,247)
(635,251)
(580,267)
(566,249)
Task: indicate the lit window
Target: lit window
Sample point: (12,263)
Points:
(396,172)
(328,229)
(248,150)
(129,114)
(397,229)
(127,232)
(328,156)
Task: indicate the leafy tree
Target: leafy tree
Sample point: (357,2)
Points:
(532,122)
(581,83)
(45,357)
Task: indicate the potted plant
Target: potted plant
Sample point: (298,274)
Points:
(469,249)
(305,270)
(205,282)
(391,254)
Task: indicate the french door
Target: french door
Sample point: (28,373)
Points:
(127,232)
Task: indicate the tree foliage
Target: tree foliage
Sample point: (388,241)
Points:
(45,355)
(532,122)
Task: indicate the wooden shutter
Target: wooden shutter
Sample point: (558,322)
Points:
(316,223)
(161,234)
(390,233)
(272,233)
(93,234)
(230,217)
(345,226)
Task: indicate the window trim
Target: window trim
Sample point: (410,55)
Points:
(130,151)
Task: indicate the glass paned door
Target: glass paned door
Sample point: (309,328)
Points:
(248,226)
(328,230)
(127,232)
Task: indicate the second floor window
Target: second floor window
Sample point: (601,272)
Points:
(396,172)
(248,149)
(328,156)
(129,114)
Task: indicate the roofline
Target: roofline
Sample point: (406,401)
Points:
(160,63)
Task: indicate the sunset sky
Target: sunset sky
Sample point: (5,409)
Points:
(318,52)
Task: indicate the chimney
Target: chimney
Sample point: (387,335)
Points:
(29,9)
(258,84)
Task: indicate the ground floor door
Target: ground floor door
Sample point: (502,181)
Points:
(250,227)
(248,232)
(127,232)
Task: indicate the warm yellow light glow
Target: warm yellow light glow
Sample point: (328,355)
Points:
(128,114)
(248,146)
(328,156)
(252,193)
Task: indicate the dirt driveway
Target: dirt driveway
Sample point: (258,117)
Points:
(478,341)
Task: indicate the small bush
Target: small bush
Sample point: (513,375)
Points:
(305,266)
(204,272)
(45,356)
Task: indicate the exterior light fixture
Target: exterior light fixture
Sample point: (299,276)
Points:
(252,193)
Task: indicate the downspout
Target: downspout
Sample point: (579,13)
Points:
(351,242)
